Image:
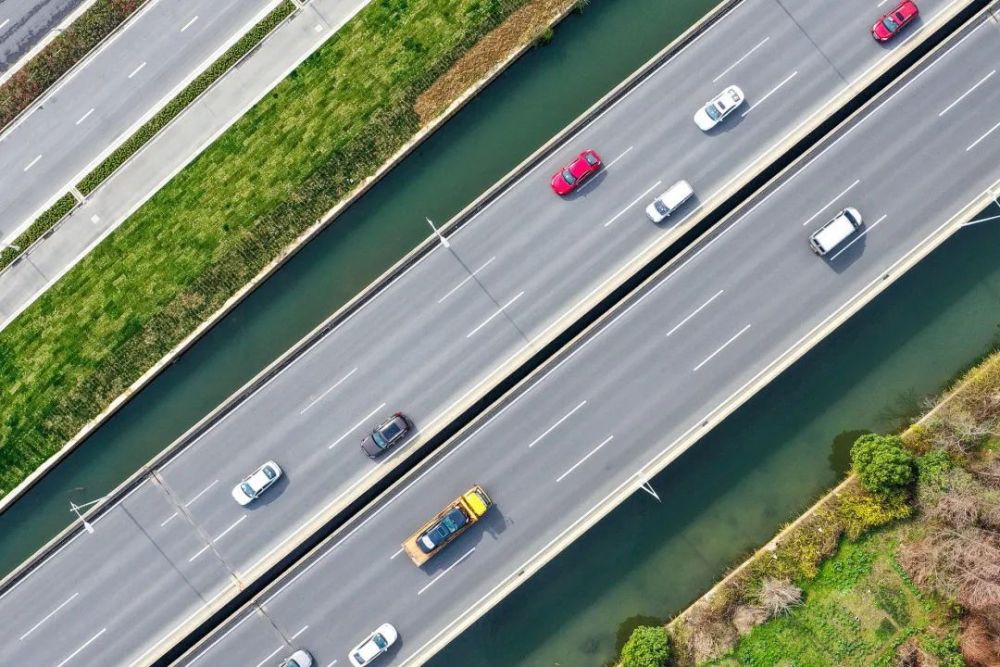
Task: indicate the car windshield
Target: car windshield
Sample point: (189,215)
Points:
(890,25)
(591,159)
(379,440)
(291,663)
(661,208)
(390,430)
(247,489)
(568,177)
(379,640)
(269,472)
(713,112)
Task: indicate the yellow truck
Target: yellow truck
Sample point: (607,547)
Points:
(448,524)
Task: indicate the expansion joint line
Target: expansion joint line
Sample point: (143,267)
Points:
(273,623)
(154,475)
(816,46)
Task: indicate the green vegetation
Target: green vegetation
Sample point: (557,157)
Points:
(175,106)
(646,647)
(38,228)
(61,54)
(271,176)
(881,463)
(901,570)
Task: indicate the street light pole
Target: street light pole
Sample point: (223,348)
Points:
(441,238)
(75,509)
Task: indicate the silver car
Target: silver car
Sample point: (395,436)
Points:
(256,483)
(373,646)
(300,658)
(721,106)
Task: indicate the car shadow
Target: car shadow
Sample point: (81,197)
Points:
(841,259)
(492,525)
(590,183)
(272,493)
(688,207)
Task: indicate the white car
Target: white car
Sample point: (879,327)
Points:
(721,106)
(375,645)
(300,658)
(256,483)
(669,201)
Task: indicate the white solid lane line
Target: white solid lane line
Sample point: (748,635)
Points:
(447,570)
(858,237)
(966,93)
(742,58)
(549,429)
(189,24)
(356,426)
(634,202)
(771,92)
(137,69)
(724,346)
(50,614)
(830,203)
(971,146)
(200,493)
(490,318)
(85,645)
(84,117)
(323,395)
(32,163)
(269,656)
(466,279)
(592,452)
(304,628)
(697,310)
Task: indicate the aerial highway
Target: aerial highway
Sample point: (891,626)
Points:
(592,424)
(93,108)
(177,544)
(24,23)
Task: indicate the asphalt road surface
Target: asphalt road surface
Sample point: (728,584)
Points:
(440,332)
(23,23)
(649,376)
(85,115)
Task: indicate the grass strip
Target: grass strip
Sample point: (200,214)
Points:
(38,228)
(173,108)
(331,123)
(65,51)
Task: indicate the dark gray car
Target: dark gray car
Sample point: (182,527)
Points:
(385,435)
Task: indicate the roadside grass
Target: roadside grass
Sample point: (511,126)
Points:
(62,53)
(857,611)
(273,174)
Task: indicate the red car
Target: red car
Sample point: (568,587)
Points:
(572,175)
(889,25)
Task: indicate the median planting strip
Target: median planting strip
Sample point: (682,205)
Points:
(65,205)
(37,75)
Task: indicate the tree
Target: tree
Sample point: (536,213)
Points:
(646,647)
(881,463)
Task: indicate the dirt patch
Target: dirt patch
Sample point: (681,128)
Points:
(522,27)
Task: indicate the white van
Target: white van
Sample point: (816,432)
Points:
(669,201)
(835,232)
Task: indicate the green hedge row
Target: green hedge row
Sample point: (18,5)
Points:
(62,53)
(176,260)
(185,97)
(42,224)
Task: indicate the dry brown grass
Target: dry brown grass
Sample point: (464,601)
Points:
(522,27)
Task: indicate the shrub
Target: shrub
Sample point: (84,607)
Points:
(778,596)
(860,512)
(881,463)
(932,466)
(647,647)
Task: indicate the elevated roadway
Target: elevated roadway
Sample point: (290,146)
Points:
(174,546)
(593,425)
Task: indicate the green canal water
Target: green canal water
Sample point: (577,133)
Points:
(725,496)
(757,470)
(517,113)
